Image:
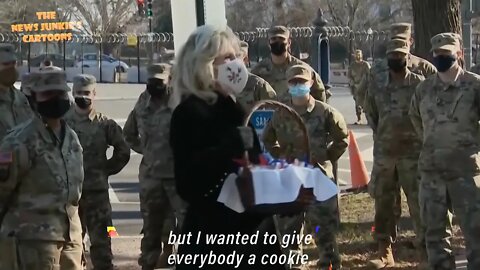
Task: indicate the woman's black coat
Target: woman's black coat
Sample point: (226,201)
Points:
(204,143)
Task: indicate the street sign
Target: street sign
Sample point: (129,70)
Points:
(259,121)
(132,41)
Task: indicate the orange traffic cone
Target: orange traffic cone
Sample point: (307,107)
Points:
(358,171)
(112,232)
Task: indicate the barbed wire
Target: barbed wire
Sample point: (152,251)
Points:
(95,39)
(339,32)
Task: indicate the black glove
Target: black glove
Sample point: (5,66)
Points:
(246,136)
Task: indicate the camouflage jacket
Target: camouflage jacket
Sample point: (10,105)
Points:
(50,178)
(475,69)
(358,75)
(417,65)
(324,125)
(147,131)
(97,133)
(446,116)
(14,110)
(386,108)
(276,76)
(256,89)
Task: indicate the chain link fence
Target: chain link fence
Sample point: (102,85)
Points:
(128,54)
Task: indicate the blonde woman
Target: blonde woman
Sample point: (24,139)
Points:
(206,136)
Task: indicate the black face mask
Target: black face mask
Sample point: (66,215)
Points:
(83,102)
(278,48)
(444,62)
(397,65)
(53,108)
(157,90)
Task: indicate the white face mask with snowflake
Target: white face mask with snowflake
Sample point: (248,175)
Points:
(232,76)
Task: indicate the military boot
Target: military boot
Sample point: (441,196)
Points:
(385,255)
(422,258)
(163,259)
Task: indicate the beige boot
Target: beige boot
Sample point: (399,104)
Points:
(385,255)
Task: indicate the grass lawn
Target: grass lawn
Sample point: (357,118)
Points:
(355,237)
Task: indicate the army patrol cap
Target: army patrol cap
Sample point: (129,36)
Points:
(159,71)
(50,81)
(299,72)
(279,31)
(7,53)
(84,82)
(398,45)
(401,30)
(47,68)
(446,41)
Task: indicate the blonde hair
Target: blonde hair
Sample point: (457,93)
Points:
(193,72)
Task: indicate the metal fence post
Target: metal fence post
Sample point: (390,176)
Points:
(138,58)
(319,28)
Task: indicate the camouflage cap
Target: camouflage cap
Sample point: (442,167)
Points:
(401,30)
(244,47)
(159,71)
(84,82)
(299,72)
(398,45)
(47,68)
(279,31)
(50,80)
(7,53)
(446,41)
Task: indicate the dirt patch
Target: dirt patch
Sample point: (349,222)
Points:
(355,237)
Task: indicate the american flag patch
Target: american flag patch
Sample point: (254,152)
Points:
(6,157)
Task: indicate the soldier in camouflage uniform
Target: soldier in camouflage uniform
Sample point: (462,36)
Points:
(41,178)
(147,133)
(445,111)
(97,133)
(323,123)
(14,106)
(357,76)
(396,150)
(256,89)
(379,73)
(273,69)
(475,69)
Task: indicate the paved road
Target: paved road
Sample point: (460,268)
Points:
(117,100)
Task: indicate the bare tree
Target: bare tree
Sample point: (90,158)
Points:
(101,16)
(432,17)
(24,11)
(364,14)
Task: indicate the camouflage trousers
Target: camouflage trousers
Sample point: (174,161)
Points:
(162,211)
(359,98)
(322,223)
(387,177)
(47,255)
(437,192)
(95,213)
(320,220)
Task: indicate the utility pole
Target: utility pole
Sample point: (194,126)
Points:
(467,15)
(200,9)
